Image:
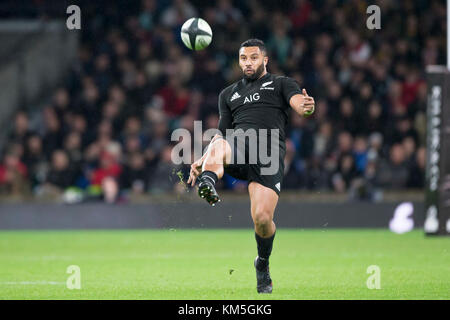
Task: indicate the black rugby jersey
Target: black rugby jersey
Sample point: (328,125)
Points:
(258,104)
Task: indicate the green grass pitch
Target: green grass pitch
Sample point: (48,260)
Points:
(218,264)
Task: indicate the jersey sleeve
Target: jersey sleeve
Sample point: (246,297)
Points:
(289,87)
(225,117)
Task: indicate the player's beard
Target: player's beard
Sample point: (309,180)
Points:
(256,74)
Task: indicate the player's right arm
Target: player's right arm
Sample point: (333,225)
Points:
(225,122)
(225,117)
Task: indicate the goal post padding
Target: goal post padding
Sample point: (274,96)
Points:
(437,177)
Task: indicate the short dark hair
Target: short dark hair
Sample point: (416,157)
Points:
(254,43)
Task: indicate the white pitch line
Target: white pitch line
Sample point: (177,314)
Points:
(32,282)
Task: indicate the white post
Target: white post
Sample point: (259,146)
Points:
(448,34)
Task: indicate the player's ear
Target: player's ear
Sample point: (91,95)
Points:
(266,60)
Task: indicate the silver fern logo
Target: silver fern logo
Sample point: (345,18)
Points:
(264,86)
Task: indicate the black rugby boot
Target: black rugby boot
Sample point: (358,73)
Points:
(206,187)
(263,280)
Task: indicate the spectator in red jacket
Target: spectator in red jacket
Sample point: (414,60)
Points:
(107,176)
(109,167)
(175,97)
(13,174)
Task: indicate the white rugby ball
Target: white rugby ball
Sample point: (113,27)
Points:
(196,34)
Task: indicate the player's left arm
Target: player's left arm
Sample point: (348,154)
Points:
(303,104)
(300,101)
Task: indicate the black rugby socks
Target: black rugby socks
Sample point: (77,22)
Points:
(208,175)
(264,250)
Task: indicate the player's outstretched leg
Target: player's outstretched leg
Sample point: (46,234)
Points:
(263,202)
(212,170)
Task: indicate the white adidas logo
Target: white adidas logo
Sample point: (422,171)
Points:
(278,186)
(235,96)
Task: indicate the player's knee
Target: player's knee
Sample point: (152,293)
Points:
(262,218)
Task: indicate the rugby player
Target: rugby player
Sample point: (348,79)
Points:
(258,101)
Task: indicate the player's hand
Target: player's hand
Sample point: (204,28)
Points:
(196,169)
(308,104)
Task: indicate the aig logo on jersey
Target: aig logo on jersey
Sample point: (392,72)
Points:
(252,98)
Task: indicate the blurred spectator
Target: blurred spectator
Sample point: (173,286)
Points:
(148,16)
(178,13)
(347,120)
(373,120)
(323,140)
(53,136)
(393,173)
(175,97)
(300,14)
(135,176)
(21,131)
(345,173)
(35,160)
(360,153)
(61,175)
(164,177)
(13,175)
(357,50)
(279,44)
(417,170)
(73,148)
(292,178)
(108,167)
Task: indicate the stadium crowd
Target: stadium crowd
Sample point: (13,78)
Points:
(107,129)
